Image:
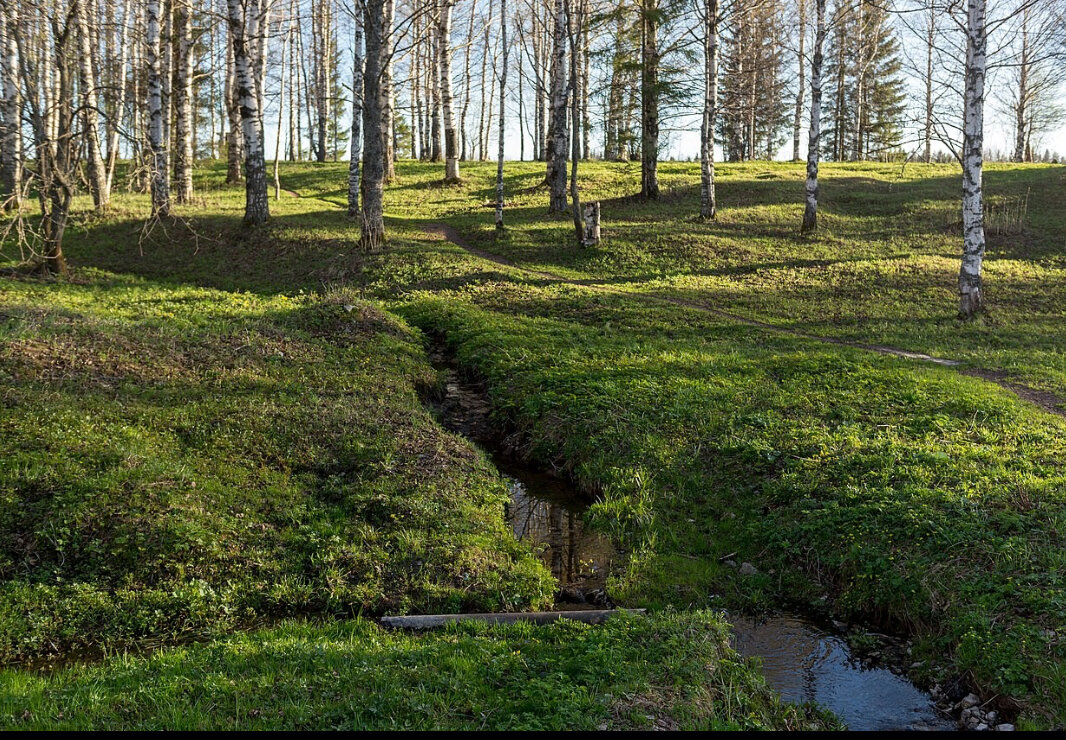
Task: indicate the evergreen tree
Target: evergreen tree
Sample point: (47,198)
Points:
(754,86)
(864,84)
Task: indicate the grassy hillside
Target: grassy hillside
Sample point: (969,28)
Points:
(177,460)
(909,495)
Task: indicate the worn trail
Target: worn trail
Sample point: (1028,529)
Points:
(1044,399)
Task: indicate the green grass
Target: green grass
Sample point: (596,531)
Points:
(909,496)
(670,672)
(176,460)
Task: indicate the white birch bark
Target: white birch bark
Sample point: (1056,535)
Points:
(160,182)
(708,206)
(90,104)
(120,100)
(286,47)
(556,175)
(503,97)
(244,20)
(354,169)
(971,301)
(183,92)
(463,137)
(388,112)
(11,108)
(575,123)
(444,49)
(649,100)
(234,154)
(810,211)
(801,93)
(373,217)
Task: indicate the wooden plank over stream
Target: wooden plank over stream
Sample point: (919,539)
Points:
(433,621)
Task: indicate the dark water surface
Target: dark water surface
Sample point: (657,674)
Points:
(547,512)
(804,662)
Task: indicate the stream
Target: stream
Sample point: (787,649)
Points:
(801,660)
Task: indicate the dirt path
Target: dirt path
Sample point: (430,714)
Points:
(1044,399)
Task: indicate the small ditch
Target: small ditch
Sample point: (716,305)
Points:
(545,510)
(802,660)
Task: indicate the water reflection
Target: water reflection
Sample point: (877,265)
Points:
(547,512)
(805,663)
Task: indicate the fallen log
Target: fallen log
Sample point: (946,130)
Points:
(433,621)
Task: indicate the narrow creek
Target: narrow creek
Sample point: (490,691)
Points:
(802,661)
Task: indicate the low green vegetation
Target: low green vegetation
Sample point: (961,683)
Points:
(670,672)
(176,461)
(907,495)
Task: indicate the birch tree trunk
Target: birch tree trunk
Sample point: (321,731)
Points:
(436,150)
(503,97)
(708,207)
(801,94)
(373,217)
(160,169)
(388,105)
(1021,106)
(573,29)
(50,103)
(120,99)
(94,161)
(183,90)
(444,49)
(244,20)
(320,39)
(234,155)
(286,47)
(810,211)
(930,40)
(971,301)
(649,101)
(464,137)
(354,170)
(556,170)
(586,118)
(11,109)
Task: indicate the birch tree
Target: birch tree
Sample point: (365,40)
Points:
(573,31)
(556,170)
(245,17)
(354,169)
(118,92)
(160,169)
(183,94)
(810,211)
(234,148)
(90,107)
(503,96)
(710,106)
(444,49)
(373,216)
(649,100)
(10,107)
(971,301)
(48,83)
(801,79)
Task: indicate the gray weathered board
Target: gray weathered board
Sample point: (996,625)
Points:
(432,621)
